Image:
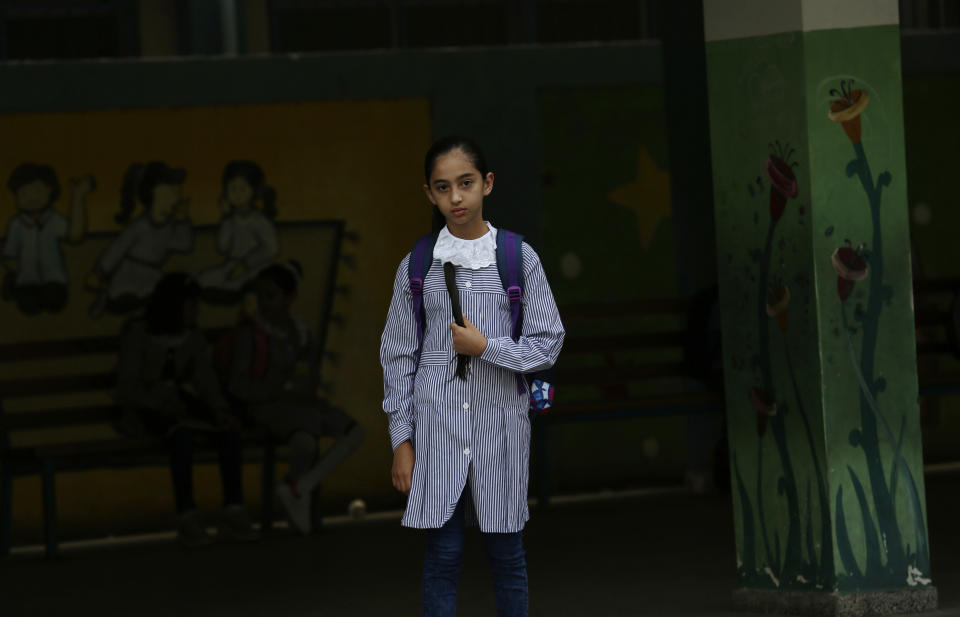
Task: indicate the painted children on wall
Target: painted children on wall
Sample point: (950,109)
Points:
(129,269)
(36,278)
(246,238)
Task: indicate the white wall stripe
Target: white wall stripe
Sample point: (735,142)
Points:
(740,19)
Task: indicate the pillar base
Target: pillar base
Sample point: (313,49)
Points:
(820,604)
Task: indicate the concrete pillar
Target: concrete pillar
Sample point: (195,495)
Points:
(810,189)
(688,130)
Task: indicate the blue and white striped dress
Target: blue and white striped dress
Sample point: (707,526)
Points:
(477,429)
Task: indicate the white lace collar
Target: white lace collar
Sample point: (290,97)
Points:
(472,254)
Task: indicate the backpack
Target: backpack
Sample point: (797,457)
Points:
(510,268)
(223,352)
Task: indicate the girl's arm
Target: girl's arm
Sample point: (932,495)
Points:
(13,244)
(542,336)
(204,376)
(225,235)
(267,247)
(112,256)
(398,349)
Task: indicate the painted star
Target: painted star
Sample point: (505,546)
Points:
(648,196)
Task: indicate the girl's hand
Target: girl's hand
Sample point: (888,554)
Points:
(403,467)
(468,341)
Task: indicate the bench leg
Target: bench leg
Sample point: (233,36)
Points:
(6,509)
(268,487)
(316,509)
(541,462)
(49,508)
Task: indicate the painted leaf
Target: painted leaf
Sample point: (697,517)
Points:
(843,541)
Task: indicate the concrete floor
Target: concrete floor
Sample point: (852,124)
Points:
(668,555)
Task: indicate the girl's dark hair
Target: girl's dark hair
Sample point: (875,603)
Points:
(28,173)
(164,312)
(444,146)
(138,183)
(253,174)
(286,276)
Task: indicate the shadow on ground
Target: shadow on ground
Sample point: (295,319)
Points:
(665,556)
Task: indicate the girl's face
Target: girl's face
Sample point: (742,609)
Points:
(457,188)
(33,197)
(165,199)
(272,303)
(240,193)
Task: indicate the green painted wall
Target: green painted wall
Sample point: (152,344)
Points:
(822,390)
(867,341)
(607,220)
(757,112)
(606,193)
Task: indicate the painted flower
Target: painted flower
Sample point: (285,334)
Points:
(778,302)
(850,267)
(847,107)
(783,182)
(765,407)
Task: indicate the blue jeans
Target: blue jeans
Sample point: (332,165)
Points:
(441,568)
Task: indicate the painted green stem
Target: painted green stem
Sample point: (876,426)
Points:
(883,503)
(793,555)
(825,574)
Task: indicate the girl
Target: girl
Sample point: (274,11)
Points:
(461,444)
(130,267)
(33,249)
(246,238)
(273,375)
(166,386)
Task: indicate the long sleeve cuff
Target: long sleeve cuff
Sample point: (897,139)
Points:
(491,351)
(401,428)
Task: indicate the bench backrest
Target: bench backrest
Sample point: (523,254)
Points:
(621,349)
(615,349)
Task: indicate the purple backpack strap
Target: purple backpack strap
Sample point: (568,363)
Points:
(510,267)
(421,258)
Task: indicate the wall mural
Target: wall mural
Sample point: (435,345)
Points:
(155,218)
(796,563)
(246,236)
(36,273)
(889,555)
(883,543)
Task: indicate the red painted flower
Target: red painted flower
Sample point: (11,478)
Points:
(847,107)
(778,303)
(850,267)
(783,182)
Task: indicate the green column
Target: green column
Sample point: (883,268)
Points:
(810,187)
